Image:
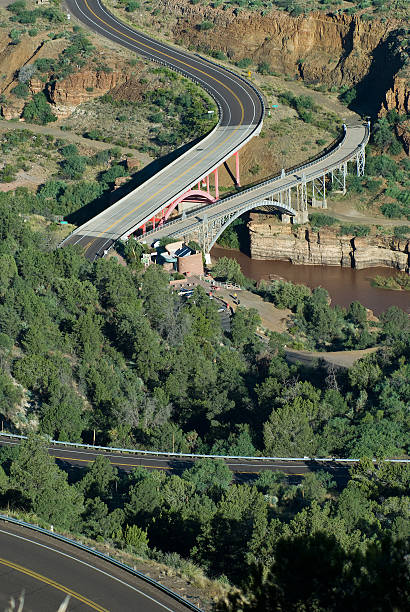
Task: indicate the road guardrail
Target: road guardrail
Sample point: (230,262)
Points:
(105,557)
(194,456)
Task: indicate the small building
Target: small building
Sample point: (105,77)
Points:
(167,261)
(189,261)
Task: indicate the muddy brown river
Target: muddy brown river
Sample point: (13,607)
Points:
(344,285)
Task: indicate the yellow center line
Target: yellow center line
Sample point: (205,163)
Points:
(202,158)
(54,584)
(154,467)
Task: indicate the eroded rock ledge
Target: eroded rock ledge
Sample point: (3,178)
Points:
(270,239)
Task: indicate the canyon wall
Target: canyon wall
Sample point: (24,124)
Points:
(321,48)
(270,239)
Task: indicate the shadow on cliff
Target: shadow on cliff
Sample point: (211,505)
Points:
(84,214)
(371,90)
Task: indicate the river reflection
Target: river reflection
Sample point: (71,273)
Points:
(344,285)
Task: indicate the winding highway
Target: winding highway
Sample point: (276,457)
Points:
(240,118)
(243,468)
(44,572)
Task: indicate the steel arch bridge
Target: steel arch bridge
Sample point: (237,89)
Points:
(289,193)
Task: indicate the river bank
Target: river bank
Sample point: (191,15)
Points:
(344,285)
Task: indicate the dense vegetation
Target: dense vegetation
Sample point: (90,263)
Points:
(77,179)
(319,544)
(112,349)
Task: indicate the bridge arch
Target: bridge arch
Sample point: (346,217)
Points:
(193,195)
(212,228)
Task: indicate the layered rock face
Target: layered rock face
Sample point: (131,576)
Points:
(398,96)
(81,87)
(300,245)
(331,49)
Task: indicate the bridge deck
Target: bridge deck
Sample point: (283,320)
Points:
(355,136)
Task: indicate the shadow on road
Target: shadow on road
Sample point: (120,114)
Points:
(84,214)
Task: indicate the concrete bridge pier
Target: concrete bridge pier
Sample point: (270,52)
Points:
(301,217)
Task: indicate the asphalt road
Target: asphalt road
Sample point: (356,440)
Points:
(240,114)
(46,571)
(243,469)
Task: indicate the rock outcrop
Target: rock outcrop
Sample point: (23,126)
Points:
(80,87)
(398,96)
(302,245)
(403,134)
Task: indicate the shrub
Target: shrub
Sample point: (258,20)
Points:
(93,135)
(69,150)
(318,220)
(348,96)
(395,147)
(44,64)
(132,5)
(26,72)
(17,7)
(21,90)
(8,174)
(354,183)
(401,231)
(245,62)
(114,172)
(38,110)
(264,68)
(205,25)
(354,230)
(381,165)
(391,210)
(100,158)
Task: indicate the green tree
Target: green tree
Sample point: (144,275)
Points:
(212,475)
(288,433)
(10,395)
(74,167)
(8,271)
(100,480)
(229,270)
(45,486)
(62,414)
(38,110)
(244,324)
(383,135)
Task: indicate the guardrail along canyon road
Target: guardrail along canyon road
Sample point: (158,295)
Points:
(240,118)
(41,570)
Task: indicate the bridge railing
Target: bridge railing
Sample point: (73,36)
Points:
(199,456)
(104,557)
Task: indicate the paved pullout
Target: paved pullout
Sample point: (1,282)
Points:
(240,118)
(46,571)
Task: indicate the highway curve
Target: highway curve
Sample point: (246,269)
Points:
(240,118)
(48,570)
